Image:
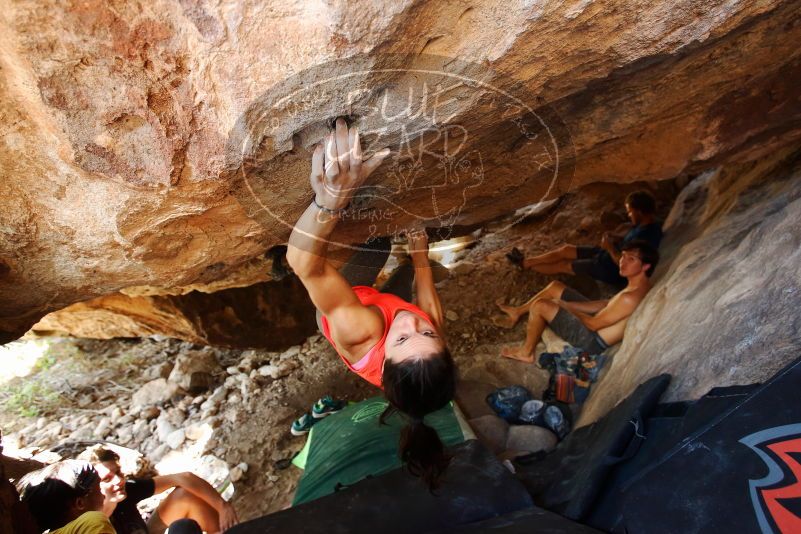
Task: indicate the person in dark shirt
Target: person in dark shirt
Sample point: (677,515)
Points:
(601,263)
(193,498)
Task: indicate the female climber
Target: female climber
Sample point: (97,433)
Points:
(381,336)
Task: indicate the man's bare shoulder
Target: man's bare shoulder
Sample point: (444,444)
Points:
(630,296)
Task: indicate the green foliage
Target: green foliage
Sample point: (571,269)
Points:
(29,398)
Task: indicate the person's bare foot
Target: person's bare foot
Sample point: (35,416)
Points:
(516,352)
(510,311)
(503,321)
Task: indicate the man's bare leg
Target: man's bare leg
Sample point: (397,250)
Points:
(552,291)
(181,504)
(557,267)
(541,313)
(559,255)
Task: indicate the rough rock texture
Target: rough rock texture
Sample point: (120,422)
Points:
(725,309)
(127,127)
(271,315)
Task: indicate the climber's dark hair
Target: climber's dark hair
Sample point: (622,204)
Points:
(416,387)
(642,201)
(648,254)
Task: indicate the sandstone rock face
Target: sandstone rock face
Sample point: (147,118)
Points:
(143,147)
(725,306)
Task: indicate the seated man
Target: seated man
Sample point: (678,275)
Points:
(193,498)
(65,498)
(601,262)
(590,325)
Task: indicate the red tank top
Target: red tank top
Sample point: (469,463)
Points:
(389,305)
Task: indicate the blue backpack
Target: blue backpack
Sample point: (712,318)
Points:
(507,402)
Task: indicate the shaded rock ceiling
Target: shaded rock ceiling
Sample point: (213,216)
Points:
(159,147)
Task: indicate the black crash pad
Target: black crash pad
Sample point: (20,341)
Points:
(529,521)
(477,487)
(739,471)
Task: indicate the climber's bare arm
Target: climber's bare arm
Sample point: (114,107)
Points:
(337,172)
(427,297)
(590,306)
(619,308)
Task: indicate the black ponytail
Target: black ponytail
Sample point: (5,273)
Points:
(416,387)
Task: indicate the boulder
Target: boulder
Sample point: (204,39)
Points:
(530,438)
(492,431)
(128,163)
(193,370)
(154,392)
(471,396)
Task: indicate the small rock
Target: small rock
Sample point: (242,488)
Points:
(269,370)
(149,412)
(103,428)
(82,433)
(197,431)
(154,392)
(176,438)
(451,315)
(163,427)
(232,382)
(140,430)
(188,363)
(291,352)
(124,434)
(176,417)
(160,370)
(530,438)
(232,370)
(158,453)
(41,423)
(125,420)
(236,474)
(52,430)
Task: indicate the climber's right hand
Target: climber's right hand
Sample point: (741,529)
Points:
(338,169)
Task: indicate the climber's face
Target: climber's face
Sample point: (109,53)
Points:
(411,336)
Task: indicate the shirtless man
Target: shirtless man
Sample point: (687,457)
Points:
(591,325)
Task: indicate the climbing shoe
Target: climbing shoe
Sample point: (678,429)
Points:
(515,257)
(302,424)
(326,406)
